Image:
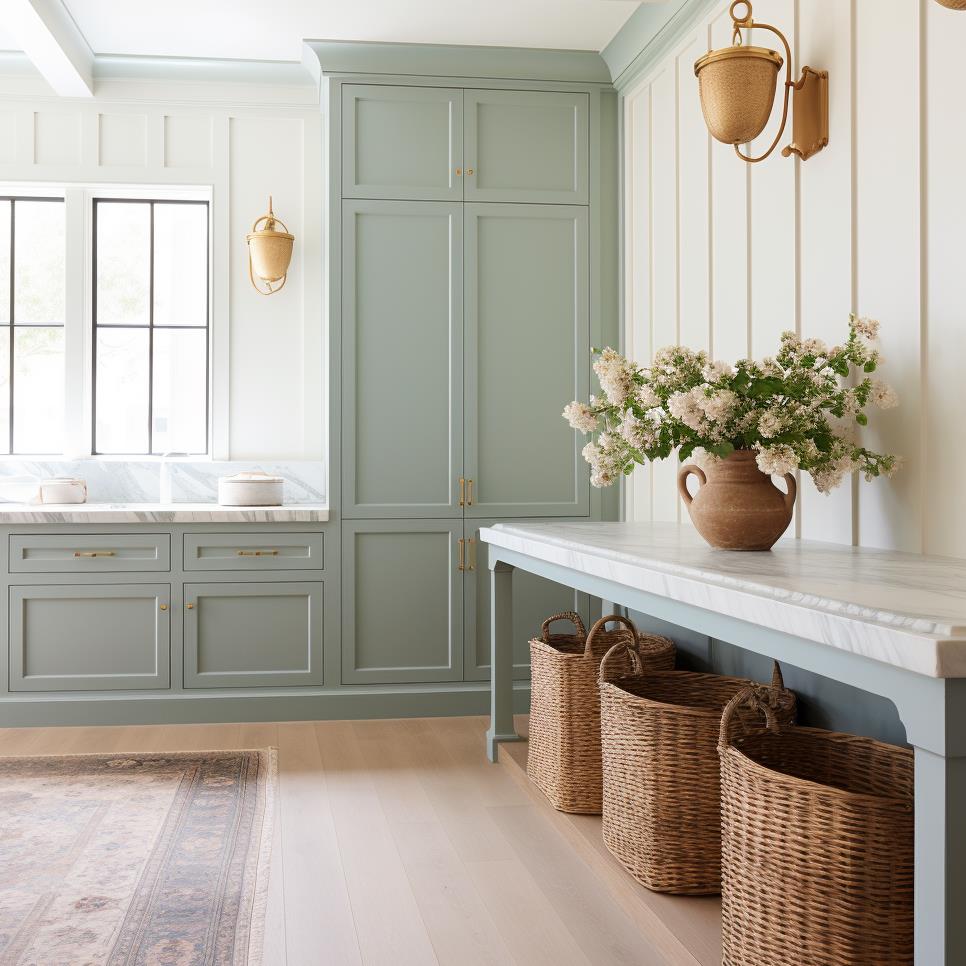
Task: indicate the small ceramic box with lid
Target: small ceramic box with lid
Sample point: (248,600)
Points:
(251,489)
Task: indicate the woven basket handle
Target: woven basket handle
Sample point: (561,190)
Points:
(764,700)
(602,623)
(621,647)
(568,615)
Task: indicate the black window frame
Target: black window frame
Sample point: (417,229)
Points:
(13,325)
(151,327)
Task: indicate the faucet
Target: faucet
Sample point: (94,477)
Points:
(165,476)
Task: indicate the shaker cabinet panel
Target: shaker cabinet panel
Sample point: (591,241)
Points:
(243,635)
(402,142)
(95,637)
(402,359)
(534,600)
(402,605)
(527,146)
(527,356)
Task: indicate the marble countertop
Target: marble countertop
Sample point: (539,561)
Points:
(907,610)
(161,513)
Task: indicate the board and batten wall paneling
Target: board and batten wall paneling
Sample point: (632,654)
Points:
(266,388)
(871,224)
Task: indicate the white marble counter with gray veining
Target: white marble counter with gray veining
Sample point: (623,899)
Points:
(904,609)
(14,513)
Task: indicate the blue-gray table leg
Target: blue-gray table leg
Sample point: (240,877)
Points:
(940,860)
(501,658)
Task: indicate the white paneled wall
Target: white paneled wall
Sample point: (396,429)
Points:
(725,255)
(244,143)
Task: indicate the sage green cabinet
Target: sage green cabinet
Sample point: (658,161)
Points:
(528,146)
(243,635)
(402,142)
(526,355)
(91,637)
(402,358)
(93,553)
(402,601)
(534,600)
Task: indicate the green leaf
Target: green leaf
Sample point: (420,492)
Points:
(862,419)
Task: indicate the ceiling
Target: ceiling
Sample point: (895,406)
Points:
(274,29)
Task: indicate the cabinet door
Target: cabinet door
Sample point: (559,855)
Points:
(402,359)
(402,601)
(402,142)
(90,638)
(534,600)
(527,356)
(527,146)
(244,635)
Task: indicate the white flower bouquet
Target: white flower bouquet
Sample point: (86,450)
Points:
(797,410)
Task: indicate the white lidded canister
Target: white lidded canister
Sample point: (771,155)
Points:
(250,489)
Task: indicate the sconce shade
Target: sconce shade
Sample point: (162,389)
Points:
(953,4)
(271,253)
(737,88)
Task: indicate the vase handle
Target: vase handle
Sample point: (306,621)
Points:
(792,492)
(683,475)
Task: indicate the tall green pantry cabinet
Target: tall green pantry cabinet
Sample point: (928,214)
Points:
(470,227)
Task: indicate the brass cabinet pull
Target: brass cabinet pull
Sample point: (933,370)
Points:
(460,567)
(164,607)
(462,492)
(459,171)
(189,606)
(94,553)
(257,553)
(472,564)
(469,171)
(469,492)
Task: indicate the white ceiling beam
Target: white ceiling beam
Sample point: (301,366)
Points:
(49,37)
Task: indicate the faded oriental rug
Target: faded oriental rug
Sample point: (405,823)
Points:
(135,859)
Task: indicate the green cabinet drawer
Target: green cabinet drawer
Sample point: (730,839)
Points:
(94,637)
(260,552)
(244,635)
(78,553)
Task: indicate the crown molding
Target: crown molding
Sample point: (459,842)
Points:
(650,32)
(443,60)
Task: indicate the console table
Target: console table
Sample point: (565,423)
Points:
(892,624)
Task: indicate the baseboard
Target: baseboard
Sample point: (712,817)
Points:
(212,707)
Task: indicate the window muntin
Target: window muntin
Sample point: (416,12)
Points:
(150,326)
(32,324)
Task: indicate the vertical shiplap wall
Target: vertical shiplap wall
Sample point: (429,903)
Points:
(724,255)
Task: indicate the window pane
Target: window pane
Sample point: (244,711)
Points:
(4,262)
(5,390)
(38,390)
(180,391)
(39,256)
(123,263)
(122,391)
(180,264)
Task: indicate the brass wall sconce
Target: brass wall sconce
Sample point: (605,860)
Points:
(953,4)
(737,86)
(269,253)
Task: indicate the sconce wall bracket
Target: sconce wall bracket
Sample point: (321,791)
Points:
(809,114)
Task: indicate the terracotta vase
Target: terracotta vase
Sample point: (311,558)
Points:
(737,507)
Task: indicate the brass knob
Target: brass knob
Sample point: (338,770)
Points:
(469,170)
(459,171)
(164,607)
(189,606)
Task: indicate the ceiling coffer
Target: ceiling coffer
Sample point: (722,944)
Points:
(269,253)
(737,86)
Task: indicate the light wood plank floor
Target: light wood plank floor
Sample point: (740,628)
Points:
(397,843)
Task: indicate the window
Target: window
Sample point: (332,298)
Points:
(32,271)
(150,312)
(104,322)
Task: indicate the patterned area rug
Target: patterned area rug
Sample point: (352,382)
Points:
(154,860)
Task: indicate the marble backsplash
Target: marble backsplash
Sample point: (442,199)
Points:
(192,481)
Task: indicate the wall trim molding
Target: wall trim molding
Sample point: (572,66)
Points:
(649,34)
(444,60)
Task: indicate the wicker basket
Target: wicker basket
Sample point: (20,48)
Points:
(564,754)
(817,834)
(659,733)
